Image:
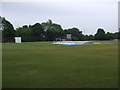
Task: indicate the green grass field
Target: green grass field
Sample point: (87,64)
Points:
(43,65)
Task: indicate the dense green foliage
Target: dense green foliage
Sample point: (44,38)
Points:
(100,35)
(76,34)
(25,33)
(49,31)
(52,30)
(8,31)
(44,65)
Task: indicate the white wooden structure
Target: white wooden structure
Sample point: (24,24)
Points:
(68,36)
(17,39)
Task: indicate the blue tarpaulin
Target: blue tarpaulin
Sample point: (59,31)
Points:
(82,44)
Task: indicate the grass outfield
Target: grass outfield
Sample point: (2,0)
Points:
(43,65)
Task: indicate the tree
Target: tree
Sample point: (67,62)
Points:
(89,37)
(52,30)
(119,35)
(8,31)
(109,36)
(49,31)
(100,35)
(58,29)
(25,33)
(38,32)
(76,34)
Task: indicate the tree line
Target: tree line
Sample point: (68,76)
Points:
(49,31)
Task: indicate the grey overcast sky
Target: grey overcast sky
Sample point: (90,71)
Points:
(83,15)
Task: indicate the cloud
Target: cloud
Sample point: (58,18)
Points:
(60,0)
(81,15)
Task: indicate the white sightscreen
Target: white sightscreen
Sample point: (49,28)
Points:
(68,36)
(17,39)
